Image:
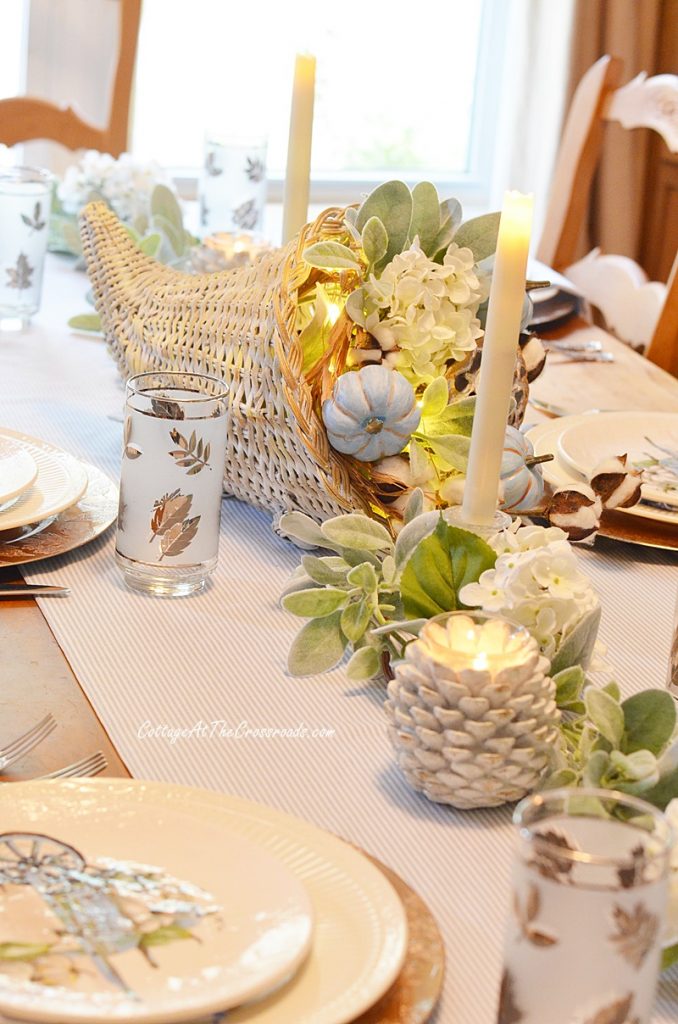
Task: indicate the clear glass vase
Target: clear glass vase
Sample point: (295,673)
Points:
(25,201)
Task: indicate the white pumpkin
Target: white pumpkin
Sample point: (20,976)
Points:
(372,413)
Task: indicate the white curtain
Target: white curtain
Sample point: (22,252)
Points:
(533,95)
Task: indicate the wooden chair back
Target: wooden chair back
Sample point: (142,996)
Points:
(23,118)
(642,312)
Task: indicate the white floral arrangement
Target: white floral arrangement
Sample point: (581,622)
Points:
(125,184)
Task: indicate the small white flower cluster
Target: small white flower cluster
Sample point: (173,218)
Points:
(536,581)
(125,184)
(423,314)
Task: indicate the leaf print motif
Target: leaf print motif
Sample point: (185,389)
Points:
(615,1013)
(527,915)
(633,874)
(19,276)
(211,167)
(254,168)
(508,1012)
(246,215)
(204,213)
(636,933)
(166,409)
(35,223)
(122,511)
(546,860)
(177,538)
(130,451)
(192,454)
(169,511)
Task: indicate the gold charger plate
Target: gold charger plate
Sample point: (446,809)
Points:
(78,525)
(649,533)
(414,996)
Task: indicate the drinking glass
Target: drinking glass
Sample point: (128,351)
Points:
(174,449)
(25,201)
(233,185)
(590,888)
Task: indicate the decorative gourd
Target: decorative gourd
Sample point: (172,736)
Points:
(521,474)
(372,413)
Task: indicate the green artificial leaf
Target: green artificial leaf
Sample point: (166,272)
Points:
(563,778)
(411,626)
(450,219)
(586,806)
(374,240)
(596,767)
(606,715)
(300,527)
(450,213)
(150,245)
(355,530)
(664,791)
(613,689)
(318,647)
(649,721)
(479,235)
(315,602)
(363,664)
(164,204)
(391,202)
(163,935)
(364,576)
(86,322)
(355,619)
(425,221)
(440,565)
(388,569)
(174,235)
(355,307)
(420,461)
(331,256)
(411,534)
(435,397)
(297,581)
(327,571)
(456,418)
(638,767)
(576,647)
(453,449)
(569,684)
(313,335)
(669,956)
(23,950)
(413,508)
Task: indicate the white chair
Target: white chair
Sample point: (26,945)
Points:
(641,312)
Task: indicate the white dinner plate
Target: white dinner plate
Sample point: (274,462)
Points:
(644,436)
(18,469)
(61,481)
(544,438)
(360,934)
(224,922)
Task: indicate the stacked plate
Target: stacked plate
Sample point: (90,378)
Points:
(145,902)
(39,485)
(650,440)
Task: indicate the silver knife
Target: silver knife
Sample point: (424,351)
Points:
(30,590)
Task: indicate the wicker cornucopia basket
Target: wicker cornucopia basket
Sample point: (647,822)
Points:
(238,325)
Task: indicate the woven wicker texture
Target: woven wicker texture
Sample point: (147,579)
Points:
(238,325)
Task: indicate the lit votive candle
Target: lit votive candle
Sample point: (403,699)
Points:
(472,711)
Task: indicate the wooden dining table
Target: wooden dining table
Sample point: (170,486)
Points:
(36,676)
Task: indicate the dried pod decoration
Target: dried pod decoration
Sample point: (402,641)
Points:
(533,353)
(576,510)
(616,484)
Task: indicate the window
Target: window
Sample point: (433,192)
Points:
(12,50)
(400,91)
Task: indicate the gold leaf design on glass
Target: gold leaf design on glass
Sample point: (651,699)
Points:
(130,451)
(166,408)
(635,933)
(615,1013)
(546,860)
(526,916)
(20,275)
(508,1012)
(169,511)
(176,539)
(37,222)
(122,511)
(633,874)
(192,454)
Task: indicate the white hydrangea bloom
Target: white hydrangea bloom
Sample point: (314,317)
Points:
(535,581)
(423,314)
(125,184)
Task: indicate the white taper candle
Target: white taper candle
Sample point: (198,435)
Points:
(298,174)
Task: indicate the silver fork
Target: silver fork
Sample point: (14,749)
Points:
(25,743)
(85,768)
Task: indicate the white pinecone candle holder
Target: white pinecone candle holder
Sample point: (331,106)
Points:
(472,711)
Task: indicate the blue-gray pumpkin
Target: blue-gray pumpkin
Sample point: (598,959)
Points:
(372,413)
(521,473)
